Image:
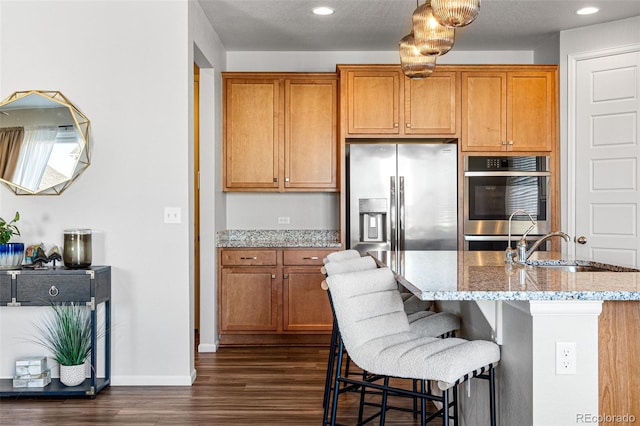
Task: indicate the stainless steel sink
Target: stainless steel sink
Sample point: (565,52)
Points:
(579,266)
(575,268)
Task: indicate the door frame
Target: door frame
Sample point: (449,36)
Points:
(572,67)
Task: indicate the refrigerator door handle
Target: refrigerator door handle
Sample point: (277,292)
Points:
(392,213)
(401,212)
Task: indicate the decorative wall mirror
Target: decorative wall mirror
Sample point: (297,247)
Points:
(44,142)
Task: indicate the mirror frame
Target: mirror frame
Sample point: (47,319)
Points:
(81,124)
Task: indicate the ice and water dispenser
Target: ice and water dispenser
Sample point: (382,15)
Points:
(373,220)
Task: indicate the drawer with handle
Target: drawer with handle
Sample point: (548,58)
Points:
(305,257)
(248,257)
(33,289)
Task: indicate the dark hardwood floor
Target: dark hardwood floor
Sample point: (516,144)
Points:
(235,386)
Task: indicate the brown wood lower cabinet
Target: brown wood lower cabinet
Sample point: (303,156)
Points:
(619,359)
(272,296)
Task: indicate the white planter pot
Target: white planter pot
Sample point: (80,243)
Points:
(72,375)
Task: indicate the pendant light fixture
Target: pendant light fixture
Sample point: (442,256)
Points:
(455,13)
(431,38)
(415,65)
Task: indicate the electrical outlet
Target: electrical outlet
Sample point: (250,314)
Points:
(172,215)
(284,220)
(565,357)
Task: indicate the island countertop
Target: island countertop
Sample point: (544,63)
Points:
(483,275)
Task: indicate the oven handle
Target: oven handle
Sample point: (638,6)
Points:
(507,174)
(497,237)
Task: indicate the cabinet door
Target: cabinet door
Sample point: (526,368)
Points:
(484,111)
(252,128)
(249,299)
(373,99)
(306,304)
(531,111)
(311,134)
(431,105)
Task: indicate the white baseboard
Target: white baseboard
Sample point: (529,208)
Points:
(208,347)
(152,380)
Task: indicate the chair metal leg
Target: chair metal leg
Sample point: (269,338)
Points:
(383,403)
(330,364)
(423,404)
(492,396)
(415,399)
(445,408)
(362,395)
(455,405)
(336,384)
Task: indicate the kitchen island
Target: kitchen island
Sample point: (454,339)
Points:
(483,275)
(528,310)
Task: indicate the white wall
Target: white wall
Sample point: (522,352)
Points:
(126,65)
(208,52)
(582,40)
(320,211)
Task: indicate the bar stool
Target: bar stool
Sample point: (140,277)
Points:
(375,331)
(424,322)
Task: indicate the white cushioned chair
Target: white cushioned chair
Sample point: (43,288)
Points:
(422,320)
(375,331)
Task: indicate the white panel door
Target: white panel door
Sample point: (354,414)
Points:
(607,154)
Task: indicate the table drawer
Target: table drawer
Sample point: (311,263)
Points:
(50,289)
(305,257)
(248,257)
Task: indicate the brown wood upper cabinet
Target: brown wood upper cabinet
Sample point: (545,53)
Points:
(509,110)
(377,100)
(280,132)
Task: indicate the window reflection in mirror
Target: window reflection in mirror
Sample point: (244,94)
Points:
(43,142)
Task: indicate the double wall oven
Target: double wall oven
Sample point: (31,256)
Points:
(494,188)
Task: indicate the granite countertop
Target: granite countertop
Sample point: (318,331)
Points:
(311,238)
(478,275)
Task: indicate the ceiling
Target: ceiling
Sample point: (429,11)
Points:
(366,25)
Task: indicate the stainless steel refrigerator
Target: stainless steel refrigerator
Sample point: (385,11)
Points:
(402,196)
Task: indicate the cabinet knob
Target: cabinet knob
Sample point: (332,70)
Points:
(286,179)
(275,180)
(395,125)
(503,142)
(53,291)
(408,125)
(509,142)
(273,276)
(581,240)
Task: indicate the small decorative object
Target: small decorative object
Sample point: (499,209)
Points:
(31,365)
(77,248)
(11,254)
(67,335)
(32,380)
(32,372)
(36,258)
(54,256)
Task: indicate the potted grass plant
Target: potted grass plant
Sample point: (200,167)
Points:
(11,254)
(66,333)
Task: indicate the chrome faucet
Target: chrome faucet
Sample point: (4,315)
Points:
(510,253)
(524,254)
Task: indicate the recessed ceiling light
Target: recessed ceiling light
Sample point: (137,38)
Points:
(323,10)
(587,11)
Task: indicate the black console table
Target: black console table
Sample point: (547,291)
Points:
(44,287)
